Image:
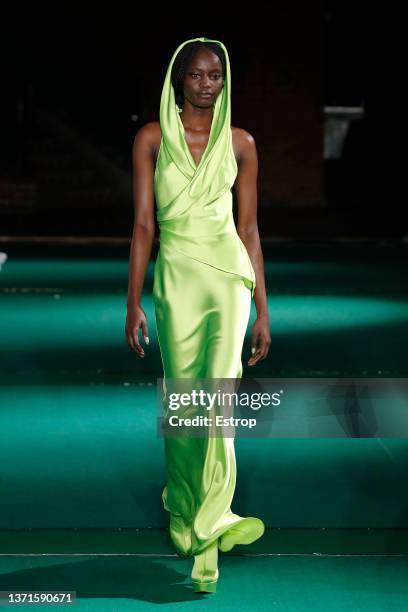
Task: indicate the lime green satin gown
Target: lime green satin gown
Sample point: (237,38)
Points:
(203,285)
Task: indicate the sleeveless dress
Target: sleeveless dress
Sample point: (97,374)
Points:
(203,284)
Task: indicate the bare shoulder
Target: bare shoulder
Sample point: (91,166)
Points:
(149,137)
(243,142)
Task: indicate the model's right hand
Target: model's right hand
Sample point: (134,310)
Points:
(136,319)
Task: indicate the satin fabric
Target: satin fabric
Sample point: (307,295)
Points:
(203,284)
(194,203)
(202,315)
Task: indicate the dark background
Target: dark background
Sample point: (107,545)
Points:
(77,86)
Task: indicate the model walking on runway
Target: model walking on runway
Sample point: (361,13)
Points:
(206,272)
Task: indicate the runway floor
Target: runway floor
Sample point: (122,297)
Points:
(82,466)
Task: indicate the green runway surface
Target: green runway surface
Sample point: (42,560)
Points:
(282,583)
(332,310)
(78,422)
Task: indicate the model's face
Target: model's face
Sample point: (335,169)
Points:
(204,79)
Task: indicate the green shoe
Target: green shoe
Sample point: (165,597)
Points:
(245,532)
(205,573)
(205,587)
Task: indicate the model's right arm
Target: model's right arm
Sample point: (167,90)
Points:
(143,234)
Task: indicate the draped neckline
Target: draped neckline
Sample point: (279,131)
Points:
(184,141)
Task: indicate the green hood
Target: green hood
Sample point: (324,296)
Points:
(172,127)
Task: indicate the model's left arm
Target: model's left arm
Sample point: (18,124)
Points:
(245,188)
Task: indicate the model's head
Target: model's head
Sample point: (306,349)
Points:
(199,68)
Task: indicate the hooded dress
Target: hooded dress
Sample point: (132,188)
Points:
(203,275)
(194,203)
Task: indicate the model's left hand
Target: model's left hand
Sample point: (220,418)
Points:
(260,340)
